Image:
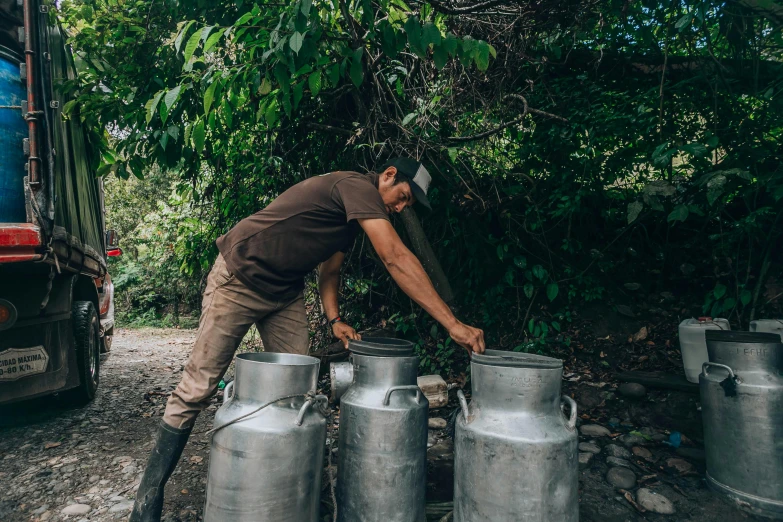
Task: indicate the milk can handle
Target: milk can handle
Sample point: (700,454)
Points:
(572,404)
(727,368)
(228,390)
(412,387)
(463,402)
(306,406)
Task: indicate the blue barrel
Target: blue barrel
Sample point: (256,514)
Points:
(13,129)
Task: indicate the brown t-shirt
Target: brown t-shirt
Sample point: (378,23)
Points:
(274,249)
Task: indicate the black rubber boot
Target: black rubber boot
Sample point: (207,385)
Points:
(162,461)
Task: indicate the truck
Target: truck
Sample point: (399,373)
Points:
(56,294)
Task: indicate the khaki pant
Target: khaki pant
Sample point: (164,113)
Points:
(228,310)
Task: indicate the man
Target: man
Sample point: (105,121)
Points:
(258,278)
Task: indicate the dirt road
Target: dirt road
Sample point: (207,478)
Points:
(85,464)
(52,457)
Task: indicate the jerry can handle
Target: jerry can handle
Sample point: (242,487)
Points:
(572,405)
(463,402)
(228,390)
(322,399)
(411,387)
(727,368)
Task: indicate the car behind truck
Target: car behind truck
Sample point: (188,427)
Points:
(56,295)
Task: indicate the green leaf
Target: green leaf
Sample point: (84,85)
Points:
(551,291)
(453,151)
(520,261)
(717,308)
(729,304)
(440,56)
(492,51)
(271,114)
(715,188)
(213,40)
(171,97)
(697,149)
(434,331)
(152,105)
(296,42)
(199,136)
(265,87)
(388,40)
(334,75)
(191,46)
(540,272)
(450,43)
(305,7)
(510,278)
(482,56)
(182,33)
(531,326)
(719,291)
(298,91)
(209,96)
(634,209)
(430,34)
(357,71)
(683,22)
(745,297)
(556,325)
(314,83)
(680,213)
(408,118)
(528,288)
(413,32)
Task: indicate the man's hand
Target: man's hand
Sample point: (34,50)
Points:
(345,333)
(472,339)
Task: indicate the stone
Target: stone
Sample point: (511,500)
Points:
(692,453)
(117,498)
(588,397)
(94,478)
(642,453)
(594,430)
(681,465)
(622,478)
(41,510)
(585,458)
(589,447)
(655,502)
(436,423)
(632,390)
(615,461)
(76,509)
(46,516)
(617,451)
(121,507)
(632,440)
(655,435)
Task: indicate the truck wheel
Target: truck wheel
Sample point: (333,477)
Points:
(86,340)
(107,338)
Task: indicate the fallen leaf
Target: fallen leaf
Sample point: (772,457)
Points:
(629,498)
(50,445)
(641,335)
(643,358)
(196,459)
(184,491)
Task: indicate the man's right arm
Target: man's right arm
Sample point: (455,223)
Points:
(408,273)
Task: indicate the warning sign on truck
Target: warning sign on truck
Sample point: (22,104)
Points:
(21,362)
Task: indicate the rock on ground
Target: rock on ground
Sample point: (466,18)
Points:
(617,451)
(76,509)
(594,430)
(589,447)
(436,423)
(632,390)
(585,458)
(655,502)
(622,478)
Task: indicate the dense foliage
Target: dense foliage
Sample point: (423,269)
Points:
(581,150)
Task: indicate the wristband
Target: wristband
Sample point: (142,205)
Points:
(337,319)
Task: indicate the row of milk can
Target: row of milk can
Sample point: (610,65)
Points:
(515,443)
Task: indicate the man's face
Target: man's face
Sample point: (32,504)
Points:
(395,197)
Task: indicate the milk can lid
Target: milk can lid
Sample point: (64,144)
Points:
(726,336)
(381,347)
(516,360)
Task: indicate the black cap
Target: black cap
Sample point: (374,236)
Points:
(418,176)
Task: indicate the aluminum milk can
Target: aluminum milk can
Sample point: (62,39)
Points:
(693,345)
(742,408)
(267,467)
(382,462)
(767,325)
(515,454)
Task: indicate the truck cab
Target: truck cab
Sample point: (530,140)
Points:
(56,294)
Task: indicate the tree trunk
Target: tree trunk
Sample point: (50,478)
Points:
(423,250)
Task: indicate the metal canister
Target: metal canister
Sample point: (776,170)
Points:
(382,462)
(266,466)
(742,408)
(767,325)
(515,455)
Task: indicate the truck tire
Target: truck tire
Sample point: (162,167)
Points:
(86,340)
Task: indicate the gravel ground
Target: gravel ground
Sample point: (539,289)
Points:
(84,464)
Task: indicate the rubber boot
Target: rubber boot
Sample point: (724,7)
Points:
(162,461)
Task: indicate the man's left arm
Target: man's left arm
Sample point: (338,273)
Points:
(328,286)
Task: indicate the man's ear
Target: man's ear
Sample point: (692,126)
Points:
(390,172)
